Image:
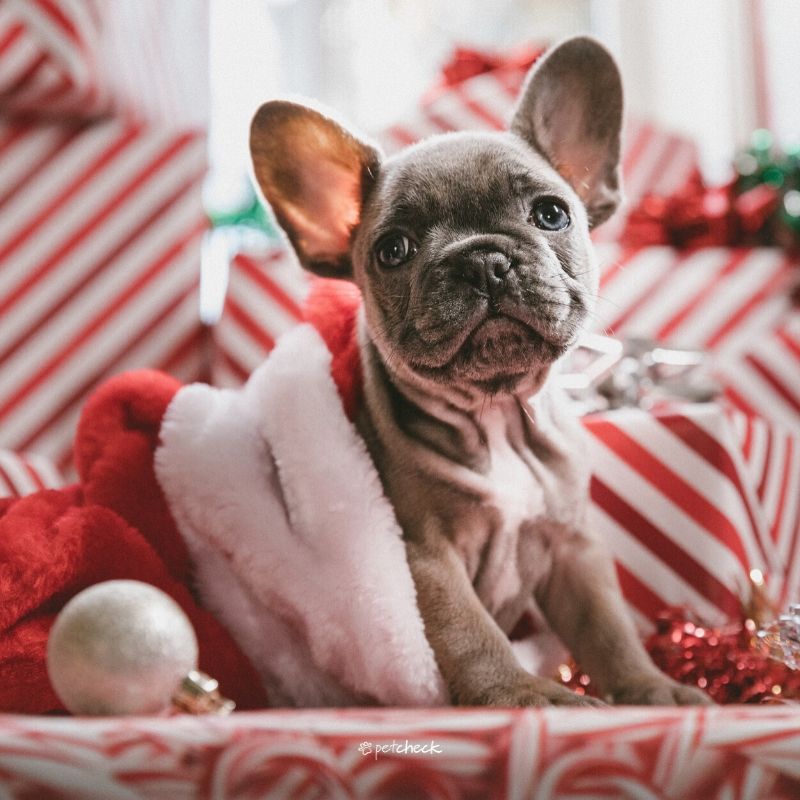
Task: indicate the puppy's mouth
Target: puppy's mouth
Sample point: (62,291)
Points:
(496,353)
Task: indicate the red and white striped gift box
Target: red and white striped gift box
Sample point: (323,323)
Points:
(49,51)
(653,160)
(772,456)
(737,303)
(99,266)
(714,298)
(676,499)
(713,753)
(22,474)
(764,377)
(263,300)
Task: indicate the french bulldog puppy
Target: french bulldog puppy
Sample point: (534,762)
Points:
(473,256)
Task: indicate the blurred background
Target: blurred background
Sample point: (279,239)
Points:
(124,167)
(714,70)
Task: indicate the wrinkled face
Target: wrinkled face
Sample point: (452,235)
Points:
(474,260)
(471,250)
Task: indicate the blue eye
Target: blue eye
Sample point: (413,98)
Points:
(395,249)
(550,216)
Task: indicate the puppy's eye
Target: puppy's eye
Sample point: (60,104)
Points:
(550,216)
(395,249)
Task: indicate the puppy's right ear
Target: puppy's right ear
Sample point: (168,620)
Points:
(315,175)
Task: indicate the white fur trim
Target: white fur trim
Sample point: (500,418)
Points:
(297,550)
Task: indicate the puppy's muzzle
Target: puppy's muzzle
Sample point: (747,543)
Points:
(485,269)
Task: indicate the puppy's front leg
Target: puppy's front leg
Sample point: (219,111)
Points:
(473,654)
(583,603)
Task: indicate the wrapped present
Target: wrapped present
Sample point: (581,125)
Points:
(714,298)
(263,300)
(102,218)
(22,474)
(736,303)
(478,91)
(764,376)
(49,53)
(712,753)
(675,498)
(772,458)
(99,266)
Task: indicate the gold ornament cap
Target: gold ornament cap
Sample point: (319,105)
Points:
(198,693)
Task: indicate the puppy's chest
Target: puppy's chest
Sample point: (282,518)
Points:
(528,496)
(513,489)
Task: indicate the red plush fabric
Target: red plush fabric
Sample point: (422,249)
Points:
(117,525)
(117,436)
(332,308)
(116,522)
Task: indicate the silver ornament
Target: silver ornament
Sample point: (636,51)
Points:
(120,647)
(603,373)
(780,639)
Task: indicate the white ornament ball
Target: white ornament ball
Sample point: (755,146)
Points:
(120,647)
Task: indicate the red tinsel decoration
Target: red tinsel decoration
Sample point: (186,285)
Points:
(702,216)
(725,662)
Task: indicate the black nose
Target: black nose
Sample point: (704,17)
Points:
(486,270)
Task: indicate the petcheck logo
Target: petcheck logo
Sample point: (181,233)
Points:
(400,748)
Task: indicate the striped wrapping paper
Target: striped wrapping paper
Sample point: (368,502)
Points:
(99,265)
(772,458)
(48,58)
(749,753)
(680,506)
(737,303)
(764,376)
(22,474)
(653,160)
(264,298)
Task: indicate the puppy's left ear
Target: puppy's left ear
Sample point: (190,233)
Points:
(571,112)
(315,174)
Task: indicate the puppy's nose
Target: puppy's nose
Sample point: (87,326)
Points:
(486,270)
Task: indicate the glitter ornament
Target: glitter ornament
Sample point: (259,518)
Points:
(728,662)
(780,639)
(120,647)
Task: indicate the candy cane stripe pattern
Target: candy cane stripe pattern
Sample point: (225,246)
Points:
(48,58)
(772,458)
(764,378)
(734,302)
(714,298)
(264,299)
(673,497)
(748,753)
(99,272)
(22,474)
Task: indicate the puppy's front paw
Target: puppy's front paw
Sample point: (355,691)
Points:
(535,693)
(659,690)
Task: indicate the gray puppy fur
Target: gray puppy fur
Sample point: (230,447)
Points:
(473,256)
